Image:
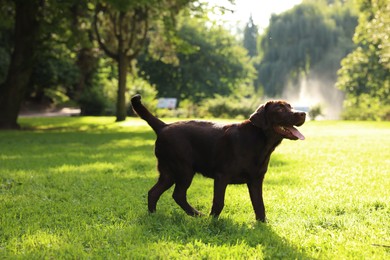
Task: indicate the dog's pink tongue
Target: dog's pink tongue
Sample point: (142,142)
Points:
(296,133)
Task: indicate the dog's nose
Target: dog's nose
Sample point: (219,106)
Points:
(302,114)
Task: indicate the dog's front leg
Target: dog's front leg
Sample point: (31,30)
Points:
(256,194)
(220,185)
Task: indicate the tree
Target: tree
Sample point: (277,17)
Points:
(7,10)
(250,38)
(121,29)
(302,39)
(52,72)
(88,55)
(213,63)
(365,73)
(121,34)
(26,31)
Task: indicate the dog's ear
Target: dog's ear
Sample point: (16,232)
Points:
(258,118)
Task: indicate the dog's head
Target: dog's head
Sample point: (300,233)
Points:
(280,118)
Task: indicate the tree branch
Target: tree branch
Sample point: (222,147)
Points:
(113,21)
(133,25)
(98,37)
(142,40)
(139,16)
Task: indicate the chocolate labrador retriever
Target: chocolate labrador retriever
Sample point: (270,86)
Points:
(229,154)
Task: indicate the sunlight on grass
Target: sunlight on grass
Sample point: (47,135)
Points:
(202,250)
(78,123)
(40,241)
(77,188)
(83,168)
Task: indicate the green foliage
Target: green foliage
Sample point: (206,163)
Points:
(251,35)
(138,85)
(61,35)
(310,38)
(215,64)
(93,101)
(365,73)
(100,98)
(315,112)
(77,188)
(187,109)
(57,96)
(228,107)
(99,95)
(6,26)
(55,71)
(365,107)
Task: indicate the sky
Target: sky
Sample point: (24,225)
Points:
(261,11)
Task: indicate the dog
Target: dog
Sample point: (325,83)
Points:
(230,154)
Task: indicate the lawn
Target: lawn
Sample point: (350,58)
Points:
(76,188)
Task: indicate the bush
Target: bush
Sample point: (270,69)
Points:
(315,112)
(228,107)
(365,107)
(92,102)
(185,109)
(57,96)
(188,108)
(146,90)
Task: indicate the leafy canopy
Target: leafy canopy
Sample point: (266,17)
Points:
(365,73)
(311,35)
(213,62)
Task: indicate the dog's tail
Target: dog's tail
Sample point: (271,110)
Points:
(155,123)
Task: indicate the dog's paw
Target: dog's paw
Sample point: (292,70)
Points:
(197,214)
(263,220)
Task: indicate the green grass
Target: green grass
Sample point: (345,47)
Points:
(76,188)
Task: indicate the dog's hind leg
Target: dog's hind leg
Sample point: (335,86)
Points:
(164,183)
(180,193)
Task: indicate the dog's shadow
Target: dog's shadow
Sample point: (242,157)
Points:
(222,232)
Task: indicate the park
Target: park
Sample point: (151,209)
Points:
(76,162)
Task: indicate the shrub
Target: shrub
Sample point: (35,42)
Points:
(365,107)
(92,102)
(186,109)
(228,107)
(315,112)
(148,92)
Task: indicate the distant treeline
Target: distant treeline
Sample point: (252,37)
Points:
(95,54)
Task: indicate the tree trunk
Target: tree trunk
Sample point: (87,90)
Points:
(13,89)
(123,64)
(87,62)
